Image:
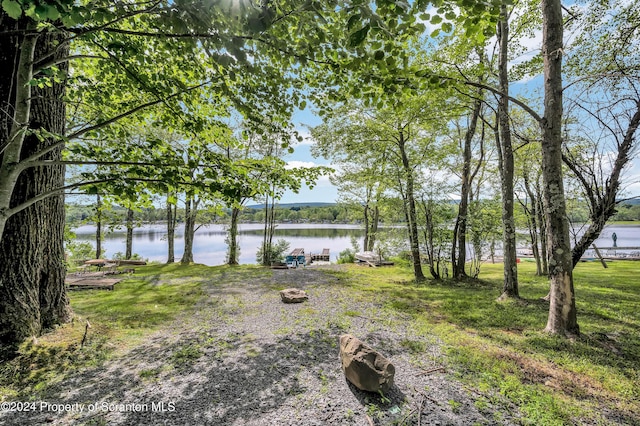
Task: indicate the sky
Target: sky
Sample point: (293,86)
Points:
(323,191)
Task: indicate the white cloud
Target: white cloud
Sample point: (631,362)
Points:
(295,164)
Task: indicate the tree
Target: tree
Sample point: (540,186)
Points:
(32,268)
(562,318)
(603,108)
(506,162)
(360,179)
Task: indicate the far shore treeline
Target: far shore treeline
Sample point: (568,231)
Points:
(79,214)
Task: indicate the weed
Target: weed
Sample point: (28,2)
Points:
(186,355)
(455,405)
(413,346)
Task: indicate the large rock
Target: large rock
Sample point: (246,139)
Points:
(367,369)
(293,295)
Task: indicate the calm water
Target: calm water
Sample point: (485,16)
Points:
(209,247)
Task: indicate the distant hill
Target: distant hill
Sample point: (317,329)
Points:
(292,205)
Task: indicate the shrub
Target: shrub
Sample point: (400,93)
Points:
(273,253)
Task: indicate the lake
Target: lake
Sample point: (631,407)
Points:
(209,246)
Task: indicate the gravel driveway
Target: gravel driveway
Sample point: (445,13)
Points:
(245,358)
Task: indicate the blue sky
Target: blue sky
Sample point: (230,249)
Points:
(323,191)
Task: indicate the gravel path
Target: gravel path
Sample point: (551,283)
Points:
(245,358)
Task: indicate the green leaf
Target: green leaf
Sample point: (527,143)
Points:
(353,20)
(13,8)
(379,55)
(358,37)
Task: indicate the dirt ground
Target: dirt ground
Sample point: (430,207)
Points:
(245,358)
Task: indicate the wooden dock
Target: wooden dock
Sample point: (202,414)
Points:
(321,257)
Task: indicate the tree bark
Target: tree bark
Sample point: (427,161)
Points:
(532,215)
(190,211)
(365,243)
(411,211)
(459,259)
(129,241)
(373,231)
(171,230)
(543,230)
(562,318)
(510,285)
(32,270)
(232,257)
(98,227)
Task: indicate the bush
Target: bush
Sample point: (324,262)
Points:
(347,256)
(121,256)
(80,250)
(273,253)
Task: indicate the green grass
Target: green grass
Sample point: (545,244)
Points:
(499,348)
(118,319)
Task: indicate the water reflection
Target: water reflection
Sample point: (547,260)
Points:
(150,241)
(209,247)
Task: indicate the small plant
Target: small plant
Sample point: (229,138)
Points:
(346,256)
(348,414)
(186,355)
(121,256)
(413,346)
(80,250)
(455,405)
(149,373)
(272,253)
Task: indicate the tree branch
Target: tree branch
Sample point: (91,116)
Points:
(133,111)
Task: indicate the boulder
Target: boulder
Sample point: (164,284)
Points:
(293,295)
(367,369)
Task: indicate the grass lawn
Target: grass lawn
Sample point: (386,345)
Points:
(498,349)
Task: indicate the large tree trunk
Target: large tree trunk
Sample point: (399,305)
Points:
(562,318)
(510,285)
(32,270)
